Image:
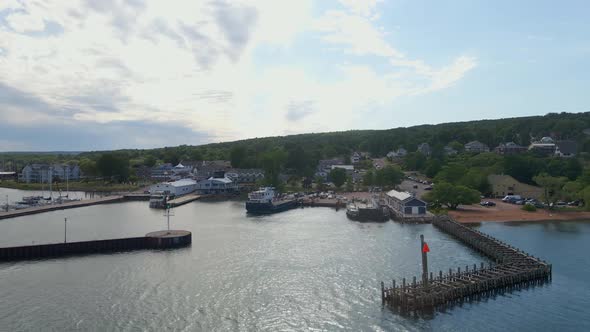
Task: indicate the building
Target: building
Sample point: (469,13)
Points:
(245,176)
(208,168)
(509,148)
(175,188)
(424,149)
(399,153)
(566,149)
(546,146)
(162,172)
(217,185)
(47,172)
(8,176)
(449,151)
(503,185)
(325,166)
(476,147)
(404,204)
(356,157)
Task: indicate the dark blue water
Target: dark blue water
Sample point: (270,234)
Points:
(308,269)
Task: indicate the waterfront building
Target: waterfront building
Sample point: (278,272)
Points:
(404,204)
(325,166)
(245,176)
(424,149)
(8,176)
(509,148)
(175,188)
(217,185)
(503,185)
(476,147)
(162,172)
(47,172)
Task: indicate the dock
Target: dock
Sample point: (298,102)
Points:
(63,206)
(155,240)
(184,200)
(512,269)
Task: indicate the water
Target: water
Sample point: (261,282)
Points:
(305,269)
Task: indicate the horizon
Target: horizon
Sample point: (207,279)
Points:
(86,76)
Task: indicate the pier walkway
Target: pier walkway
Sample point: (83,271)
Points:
(184,200)
(513,269)
(63,206)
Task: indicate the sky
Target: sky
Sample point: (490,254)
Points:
(80,75)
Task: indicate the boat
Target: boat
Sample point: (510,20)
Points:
(158,200)
(266,201)
(370,211)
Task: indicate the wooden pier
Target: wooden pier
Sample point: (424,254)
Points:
(183,200)
(513,269)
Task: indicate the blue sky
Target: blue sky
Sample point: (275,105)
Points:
(88,75)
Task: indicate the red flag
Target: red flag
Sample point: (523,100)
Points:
(425,248)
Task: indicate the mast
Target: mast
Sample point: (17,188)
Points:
(50,179)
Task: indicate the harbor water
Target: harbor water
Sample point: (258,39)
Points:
(303,269)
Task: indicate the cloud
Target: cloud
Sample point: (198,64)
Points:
(199,67)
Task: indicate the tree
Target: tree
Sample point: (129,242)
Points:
(88,167)
(433,166)
(552,186)
(369,178)
(452,195)
(338,177)
(388,176)
(451,173)
(237,156)
(349,184)
(113,166)
(150,161)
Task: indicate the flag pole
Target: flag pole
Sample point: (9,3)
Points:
(424,249)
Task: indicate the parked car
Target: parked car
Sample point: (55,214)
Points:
(487,203)
(514,198)
(560,204)
(519,202)
(574,203)
(428,188)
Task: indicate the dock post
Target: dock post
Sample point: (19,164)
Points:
(424,250)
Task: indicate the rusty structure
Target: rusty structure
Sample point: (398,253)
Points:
(512,269)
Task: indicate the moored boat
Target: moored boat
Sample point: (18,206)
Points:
(266,201)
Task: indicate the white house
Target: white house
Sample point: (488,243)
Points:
(399,153)
(476,147)
(176,188)
(45,172)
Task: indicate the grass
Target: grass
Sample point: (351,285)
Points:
(77,186)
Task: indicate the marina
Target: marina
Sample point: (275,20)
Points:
(326,271)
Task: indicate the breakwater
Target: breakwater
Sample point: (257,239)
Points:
(513,269)
(154,240)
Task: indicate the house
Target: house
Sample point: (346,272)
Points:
(217,185)
(325,166)
(162,172)
(175,188)
(546,146)
(399,153)
(424,149)
(45,172)
(207,169)
(565,149)
(379,163)
(509,148)
(243,176)
(356,157)
(476,147)
(449,151)
(503,185)
(404,204)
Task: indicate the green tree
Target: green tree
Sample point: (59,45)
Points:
(237,156)
(113,166)
(88,167)
(552,186)
(349,184)
(451,173)
(452,195)
(150,161)
(369,178)
(433,166)
(389,176)
(338,177)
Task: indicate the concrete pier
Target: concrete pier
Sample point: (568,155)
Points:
(63,206)
(154,240)
(184,200)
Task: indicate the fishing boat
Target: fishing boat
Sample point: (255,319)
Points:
(266,201)
(369,211)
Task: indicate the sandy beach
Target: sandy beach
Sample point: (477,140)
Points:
(505,212)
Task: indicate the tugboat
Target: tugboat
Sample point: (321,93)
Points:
(265,201)
(371,211)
